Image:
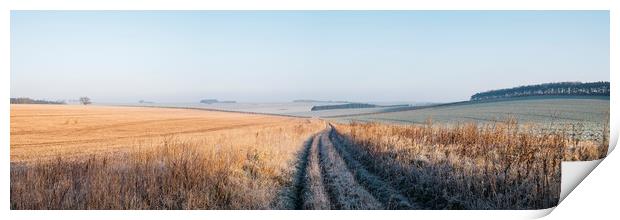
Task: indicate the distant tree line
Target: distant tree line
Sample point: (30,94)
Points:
(343,106)
(313,100)
(24,100)
(548,89)
(212,101)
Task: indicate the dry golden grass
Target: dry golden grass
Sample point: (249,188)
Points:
(470,166)
(149,158)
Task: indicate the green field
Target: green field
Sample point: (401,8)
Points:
(587,117)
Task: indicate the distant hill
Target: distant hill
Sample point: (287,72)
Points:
(213,101)
(24,100)
(547,89)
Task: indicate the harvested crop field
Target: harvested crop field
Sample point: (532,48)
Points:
(46,131)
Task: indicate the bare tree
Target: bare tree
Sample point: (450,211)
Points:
(85,100)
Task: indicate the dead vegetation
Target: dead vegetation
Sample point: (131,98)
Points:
(470,166)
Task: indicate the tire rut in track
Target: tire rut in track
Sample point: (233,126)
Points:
(343,190)
(311,192)
(380,189)
(329,177)
(295,198)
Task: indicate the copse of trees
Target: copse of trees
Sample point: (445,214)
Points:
(213,101)
(85,100)
(548,89)
(24,100)
(343,106)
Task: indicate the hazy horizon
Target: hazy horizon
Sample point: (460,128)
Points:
(280,56)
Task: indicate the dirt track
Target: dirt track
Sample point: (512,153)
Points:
(330,177)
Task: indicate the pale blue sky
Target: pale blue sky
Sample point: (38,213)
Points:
(184,56)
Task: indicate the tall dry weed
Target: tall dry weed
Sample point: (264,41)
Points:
(468,166)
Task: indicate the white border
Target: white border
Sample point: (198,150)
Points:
(311,5)
(605,174)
